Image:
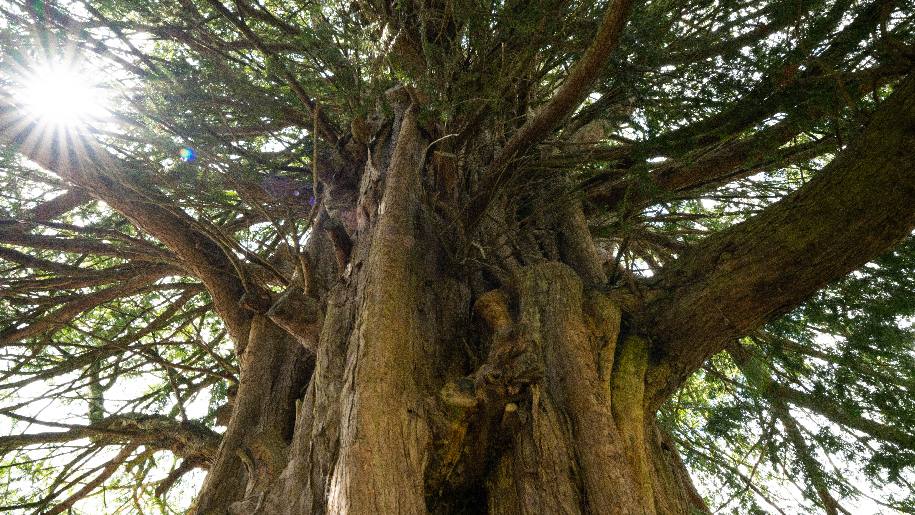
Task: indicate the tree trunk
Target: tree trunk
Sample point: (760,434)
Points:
(437,390)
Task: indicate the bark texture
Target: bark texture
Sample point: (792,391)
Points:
(509,377)
(416,364)
(451,340)
(831,225)
(437,390)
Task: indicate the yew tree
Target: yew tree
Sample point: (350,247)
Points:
(536,256)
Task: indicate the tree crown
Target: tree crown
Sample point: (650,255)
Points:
(708,143)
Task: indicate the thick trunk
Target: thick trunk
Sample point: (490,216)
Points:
(439,390)
(274,372)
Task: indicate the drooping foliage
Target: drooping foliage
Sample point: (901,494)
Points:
(116,368)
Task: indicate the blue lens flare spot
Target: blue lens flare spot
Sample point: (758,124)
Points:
(187,155)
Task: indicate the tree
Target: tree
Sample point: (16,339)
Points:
(512,257)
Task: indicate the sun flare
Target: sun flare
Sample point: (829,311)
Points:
(63,95)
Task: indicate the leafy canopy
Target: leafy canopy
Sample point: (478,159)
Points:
(116,368)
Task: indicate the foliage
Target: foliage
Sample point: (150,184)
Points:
(706,113)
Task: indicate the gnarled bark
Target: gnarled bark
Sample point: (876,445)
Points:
(274,372)
(526,401)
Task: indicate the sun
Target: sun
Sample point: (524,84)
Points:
(61,94)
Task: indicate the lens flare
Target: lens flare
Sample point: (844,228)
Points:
(187,155)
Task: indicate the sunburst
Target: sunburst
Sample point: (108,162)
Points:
(61,94)
(49,105)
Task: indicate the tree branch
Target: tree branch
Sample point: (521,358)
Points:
(60,205)
(324,126)
(73,308)
(110,468)
(857,207)
(759,378)
(724,161)
(183,438)
(85,163)
(570,94)
(837,415)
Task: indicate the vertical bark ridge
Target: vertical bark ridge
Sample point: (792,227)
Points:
(361,439)
(274,371)
(570,448)
(577,248)
(534,432)
(570,416)
(382,435)
(536,475)
(628,393)
(674,491)
(551,311)
(302,486)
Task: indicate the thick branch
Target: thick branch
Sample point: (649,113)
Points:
(160,432)
(857,207)
(36,263)
(26,287)
(729,160)
(724,162)
(570,94)
(136,251)
(72,309)
(85,163)
(60,205)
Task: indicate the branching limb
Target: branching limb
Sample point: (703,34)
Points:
(570,94)
(60,205)
(85,163)
(183,438)
(70,310)
(109,469)
(746,275)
